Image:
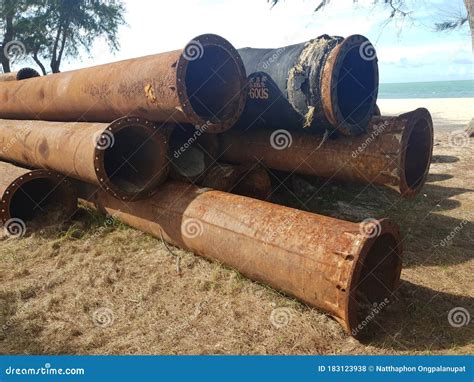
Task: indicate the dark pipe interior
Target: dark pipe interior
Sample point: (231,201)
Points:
(376,281)
(36,198)
(132,162)
(418,152)
(26,73)
(213,84)
(356,85)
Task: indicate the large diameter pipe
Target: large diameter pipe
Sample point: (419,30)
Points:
(22,74)
(325,83)
(127,157)
(394,152)
(27,195)
(200,84)
(330,264)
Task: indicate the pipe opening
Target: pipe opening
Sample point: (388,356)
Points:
(25,73)
(418,154)
(132,163)
(213,84)
(37,198)
(375,283)
(357,87)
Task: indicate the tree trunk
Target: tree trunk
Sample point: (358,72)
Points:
(8,35)
(470,18)
(39,63)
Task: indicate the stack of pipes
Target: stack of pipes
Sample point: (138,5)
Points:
(176,144)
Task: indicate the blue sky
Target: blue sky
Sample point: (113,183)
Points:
(408,50)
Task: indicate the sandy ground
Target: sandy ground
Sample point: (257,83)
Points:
(98,287)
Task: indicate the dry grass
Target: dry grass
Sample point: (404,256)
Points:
(55,282)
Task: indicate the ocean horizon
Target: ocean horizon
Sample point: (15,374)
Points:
(434,89)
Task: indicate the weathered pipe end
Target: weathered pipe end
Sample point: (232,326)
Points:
(22,74)
(130,158)
(28,195)
(25,73)
(416,151)
(349,85)
(374,277)
(211,83)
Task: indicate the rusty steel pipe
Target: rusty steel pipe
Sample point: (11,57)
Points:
(246,180)
(328,263)
(394,152)
(22,74)
(27,195)
(202,83)
(127,157)
(327,83)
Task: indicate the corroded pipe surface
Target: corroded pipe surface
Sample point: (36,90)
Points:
(27,195)
(204,82)
(328,263)
(394,152)
(328,82)
(246,180)
(22,74)
(128,157)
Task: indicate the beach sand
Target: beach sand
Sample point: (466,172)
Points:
(449,114)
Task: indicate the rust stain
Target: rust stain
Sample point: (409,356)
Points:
(150,94)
